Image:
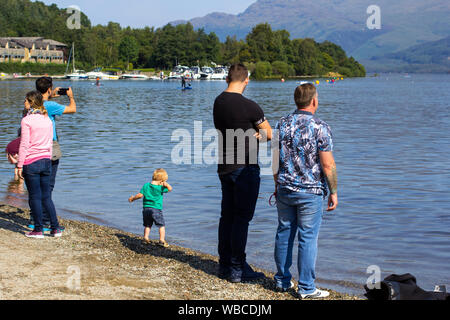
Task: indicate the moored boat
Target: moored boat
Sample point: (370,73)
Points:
(76,74)
(206,73)
(98,74)
(136,75)
(220,73)
(178,72)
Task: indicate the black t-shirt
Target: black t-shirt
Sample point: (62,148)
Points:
(236,118)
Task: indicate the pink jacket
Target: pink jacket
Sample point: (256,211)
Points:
(36,140)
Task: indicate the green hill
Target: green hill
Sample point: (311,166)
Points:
(431,56)
(404,23)
(268,52)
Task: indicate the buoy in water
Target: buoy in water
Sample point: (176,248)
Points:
(317,82)
(282,79)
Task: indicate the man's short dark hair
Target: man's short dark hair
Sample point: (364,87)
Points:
(237,72)
(43,84)
(304,94)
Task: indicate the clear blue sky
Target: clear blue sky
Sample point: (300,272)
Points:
(156,13)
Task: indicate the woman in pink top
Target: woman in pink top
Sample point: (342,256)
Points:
(34,164)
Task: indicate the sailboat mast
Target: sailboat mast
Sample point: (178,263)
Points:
(73,56)
(68,62)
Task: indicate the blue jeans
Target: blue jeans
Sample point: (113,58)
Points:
(300,212)
(240,190)
(46,215)
(37,178)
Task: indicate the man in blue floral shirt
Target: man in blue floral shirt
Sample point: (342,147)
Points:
(306,171)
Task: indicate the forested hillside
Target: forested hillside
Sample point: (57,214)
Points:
(266,52)
(433,56)
(404,23)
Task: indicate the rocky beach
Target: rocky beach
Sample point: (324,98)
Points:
(92,262)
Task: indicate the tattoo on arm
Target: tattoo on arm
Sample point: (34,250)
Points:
(331,178)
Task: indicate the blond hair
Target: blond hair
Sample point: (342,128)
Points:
(160,175)
(36,101)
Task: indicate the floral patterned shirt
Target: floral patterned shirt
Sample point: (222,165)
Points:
(301,136)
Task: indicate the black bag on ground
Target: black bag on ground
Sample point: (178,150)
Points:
(402,287)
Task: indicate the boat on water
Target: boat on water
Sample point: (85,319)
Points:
(98,74)
(196,73)
(206,73)
(76,74)
(180,71)
(20,76)
(135,75)
(220,73)
(4,76)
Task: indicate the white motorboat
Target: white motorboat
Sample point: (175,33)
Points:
(180,71)
(206,73)
(98,74)
(220,73)
(110,76)
(136,75)
(77,75)
(196,73)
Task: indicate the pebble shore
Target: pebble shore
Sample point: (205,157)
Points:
(92,262)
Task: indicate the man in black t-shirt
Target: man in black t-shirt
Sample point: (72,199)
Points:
(241,124)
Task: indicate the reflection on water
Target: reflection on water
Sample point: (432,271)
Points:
(16,194)
(392,144)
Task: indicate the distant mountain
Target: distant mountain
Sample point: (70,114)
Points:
(404,23)
(431,56)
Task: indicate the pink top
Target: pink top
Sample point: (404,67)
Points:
(36,141)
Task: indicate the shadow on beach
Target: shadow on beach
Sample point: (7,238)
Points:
(197,261)
(11,219)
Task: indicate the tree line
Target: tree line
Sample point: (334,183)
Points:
(265,51)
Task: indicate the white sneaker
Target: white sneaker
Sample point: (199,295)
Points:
(315,295)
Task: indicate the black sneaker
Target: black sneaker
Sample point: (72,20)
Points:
(245,274)
(224,272)
(48,227)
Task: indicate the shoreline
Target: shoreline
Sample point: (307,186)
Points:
(114,265)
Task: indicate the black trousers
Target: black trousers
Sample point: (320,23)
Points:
(240,190)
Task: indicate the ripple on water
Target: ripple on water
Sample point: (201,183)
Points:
(391,150)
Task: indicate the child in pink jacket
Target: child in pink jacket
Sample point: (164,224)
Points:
(34,163)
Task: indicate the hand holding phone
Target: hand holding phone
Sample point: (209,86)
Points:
(63,91)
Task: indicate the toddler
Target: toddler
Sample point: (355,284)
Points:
(152,193)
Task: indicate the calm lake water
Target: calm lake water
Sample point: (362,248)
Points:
(392,145)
